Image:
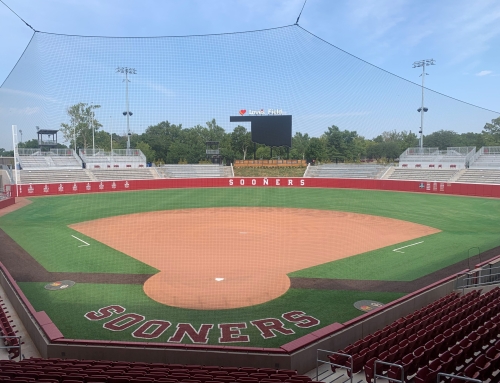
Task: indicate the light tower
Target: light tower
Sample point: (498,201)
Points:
(423,109)
(127,113)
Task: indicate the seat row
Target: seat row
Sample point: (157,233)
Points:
(447,351)
(7,330)
(428,344)
(71,371)
(394,332)
(443,355)
(445,317)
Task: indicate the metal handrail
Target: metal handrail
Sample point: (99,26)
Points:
(333,364)
(470,279)
(466,378)
(375,375)
(18,337)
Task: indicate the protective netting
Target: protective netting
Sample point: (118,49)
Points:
(272,263)
(192,80)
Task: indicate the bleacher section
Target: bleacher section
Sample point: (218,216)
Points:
(453,335)
(433,158)
(11,337)
(480,176)
(438,175)
(35,159)
(61,370)
(488,157)
(124,174)
(54,176)
(345,171)
(118,158)
(194,171)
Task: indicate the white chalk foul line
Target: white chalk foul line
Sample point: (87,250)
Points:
(81,240)
(399,248)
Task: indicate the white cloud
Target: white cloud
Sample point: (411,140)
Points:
(484,73)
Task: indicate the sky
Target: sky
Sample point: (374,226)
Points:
(306,81)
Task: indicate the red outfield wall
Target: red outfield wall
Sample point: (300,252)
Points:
(479,190)
(7,202)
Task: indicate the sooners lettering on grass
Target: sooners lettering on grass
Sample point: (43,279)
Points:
(228,332)
(231,333)
(151,329)
(270,326)
(104,312)
(300,319)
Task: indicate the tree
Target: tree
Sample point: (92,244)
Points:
(316,150)
(160,138)
(442,139)
(491,132)
(30,144)
(341,143)
(241,140)
(300,143)
(214,131)
(400,141)
(473,139)
(146,149)
(6,153)
(82,123)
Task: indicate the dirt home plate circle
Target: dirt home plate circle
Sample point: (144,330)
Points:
(231,257)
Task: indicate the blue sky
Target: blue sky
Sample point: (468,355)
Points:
(313,81)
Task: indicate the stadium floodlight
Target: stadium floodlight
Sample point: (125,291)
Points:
(127,113)
(423,109)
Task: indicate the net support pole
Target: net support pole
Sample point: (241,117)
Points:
(16,154)
(422,110)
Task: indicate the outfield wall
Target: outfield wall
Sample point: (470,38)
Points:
(7,202)
(448,188)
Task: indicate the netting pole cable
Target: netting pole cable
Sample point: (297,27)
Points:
(395,75)
(20,18)
(297,22)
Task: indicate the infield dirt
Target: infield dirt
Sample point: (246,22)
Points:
(222,258)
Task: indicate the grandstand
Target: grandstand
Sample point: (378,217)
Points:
(480,176)
(124,174)
(117,158)
(36,159)
(194,171)
(45,176)
(439,175)
(456,335)
(488,157)
(346,171)
(433,158)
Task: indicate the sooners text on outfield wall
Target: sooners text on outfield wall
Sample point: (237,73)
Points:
(267,182)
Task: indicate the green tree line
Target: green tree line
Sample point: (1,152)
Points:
(171,144)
